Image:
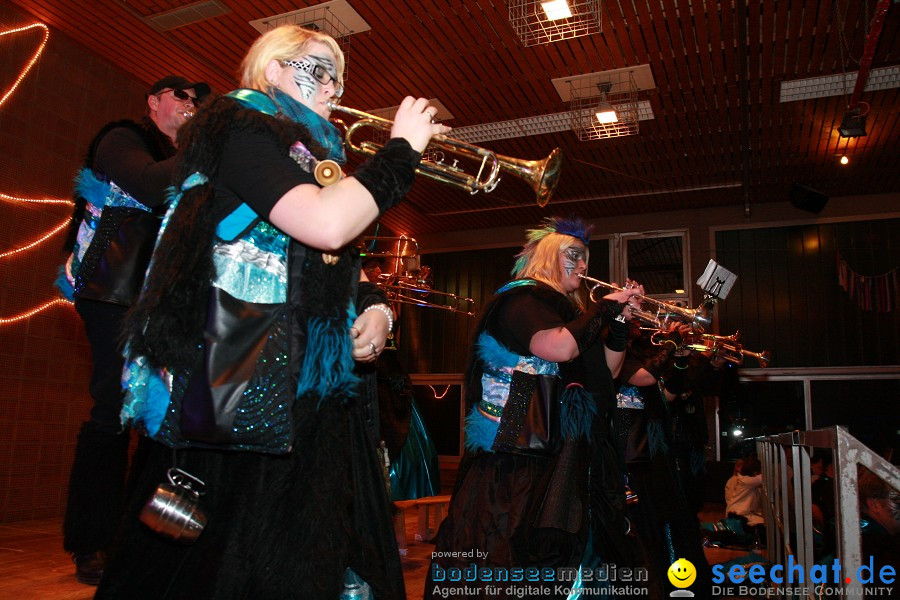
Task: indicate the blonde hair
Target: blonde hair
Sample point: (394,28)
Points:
(541,262)
(287,42)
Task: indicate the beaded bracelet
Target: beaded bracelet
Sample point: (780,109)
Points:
(387,312)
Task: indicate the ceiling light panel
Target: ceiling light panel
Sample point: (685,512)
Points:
(186,15)
(840,84)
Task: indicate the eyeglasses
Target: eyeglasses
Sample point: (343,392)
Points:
(181,96)
(319,72)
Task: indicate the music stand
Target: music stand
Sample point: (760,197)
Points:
(716,280)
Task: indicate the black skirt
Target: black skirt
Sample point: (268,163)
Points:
(278,526)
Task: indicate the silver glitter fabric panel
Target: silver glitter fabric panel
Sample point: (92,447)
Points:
(511,422)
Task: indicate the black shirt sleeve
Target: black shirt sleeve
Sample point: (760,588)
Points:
(256,171)
(522,316)
(125,160)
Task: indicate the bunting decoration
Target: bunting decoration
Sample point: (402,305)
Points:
(872,292)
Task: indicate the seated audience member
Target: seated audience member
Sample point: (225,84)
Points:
(731,484)
(747,499)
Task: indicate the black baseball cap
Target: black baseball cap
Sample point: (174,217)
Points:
(174,82)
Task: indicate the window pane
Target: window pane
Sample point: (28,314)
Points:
(657,263)
(868,408)
(599,265)
(759,408)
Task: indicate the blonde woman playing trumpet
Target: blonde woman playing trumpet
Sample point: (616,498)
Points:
(253,299)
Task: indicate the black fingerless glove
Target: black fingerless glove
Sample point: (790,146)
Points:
(617,336)
(586,328)
(368,294)
(389,174)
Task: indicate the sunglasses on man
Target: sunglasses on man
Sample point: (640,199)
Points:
(182,96)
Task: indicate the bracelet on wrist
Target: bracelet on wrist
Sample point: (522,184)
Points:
(384,308)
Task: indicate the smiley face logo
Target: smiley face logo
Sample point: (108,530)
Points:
(682,573)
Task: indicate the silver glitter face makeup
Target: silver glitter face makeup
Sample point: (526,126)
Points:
(572,256)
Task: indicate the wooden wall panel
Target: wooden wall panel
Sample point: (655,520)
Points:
(787,298)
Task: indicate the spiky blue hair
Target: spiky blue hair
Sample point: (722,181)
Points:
(572,226)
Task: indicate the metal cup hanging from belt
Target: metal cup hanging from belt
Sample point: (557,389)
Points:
(173,510)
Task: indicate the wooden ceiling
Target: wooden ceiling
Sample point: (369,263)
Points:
(719,135)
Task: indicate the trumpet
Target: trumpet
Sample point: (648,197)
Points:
(728,347)
(659,314)
(541,175)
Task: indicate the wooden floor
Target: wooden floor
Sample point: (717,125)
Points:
(33,565)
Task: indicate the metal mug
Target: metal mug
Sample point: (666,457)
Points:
(173,510)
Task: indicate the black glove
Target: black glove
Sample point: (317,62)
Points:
(617,337)
(389,174)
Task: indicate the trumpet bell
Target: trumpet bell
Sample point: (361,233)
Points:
(541,175)
(763,358)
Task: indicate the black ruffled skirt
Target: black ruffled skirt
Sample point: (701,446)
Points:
(278,526)
(512,511)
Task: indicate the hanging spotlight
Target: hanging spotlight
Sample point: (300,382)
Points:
(853,124)
(547,21)
(844,160)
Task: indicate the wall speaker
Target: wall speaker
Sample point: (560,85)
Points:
(808,199)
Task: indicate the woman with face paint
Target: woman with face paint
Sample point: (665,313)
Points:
(243,344)
(539,397)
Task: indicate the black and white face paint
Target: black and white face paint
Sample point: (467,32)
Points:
(312,71)
(571,257)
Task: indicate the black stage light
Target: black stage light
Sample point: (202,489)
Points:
(853,125)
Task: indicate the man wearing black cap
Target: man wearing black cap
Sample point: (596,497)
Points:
(120,197)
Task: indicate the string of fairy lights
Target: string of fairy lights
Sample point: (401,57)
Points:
(23,200)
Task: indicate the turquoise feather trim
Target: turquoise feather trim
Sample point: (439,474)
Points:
(147,396)
(328,364)
(90,188)
(480,431)
(158,399)
(494,353)
(656,438)
(63,284)
(577,412)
